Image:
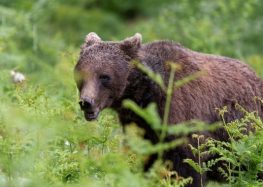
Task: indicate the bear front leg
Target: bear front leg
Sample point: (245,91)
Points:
(177,156)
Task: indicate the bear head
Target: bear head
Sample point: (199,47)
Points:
(102,71)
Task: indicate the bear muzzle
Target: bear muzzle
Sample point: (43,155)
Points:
(88,107)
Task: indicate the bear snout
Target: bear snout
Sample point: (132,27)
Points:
(88,106)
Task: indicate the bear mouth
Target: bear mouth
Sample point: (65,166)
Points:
(89,116)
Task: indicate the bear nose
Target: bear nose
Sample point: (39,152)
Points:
(86,104)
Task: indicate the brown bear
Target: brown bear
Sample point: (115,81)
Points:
(105,77)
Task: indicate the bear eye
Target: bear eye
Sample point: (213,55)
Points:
(105,79)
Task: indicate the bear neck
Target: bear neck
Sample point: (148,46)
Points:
(142,90)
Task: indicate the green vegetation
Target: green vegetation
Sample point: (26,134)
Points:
(44,139)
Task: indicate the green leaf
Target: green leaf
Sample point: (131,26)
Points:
(191,127)
(194,165)
(156,77)
(149,114)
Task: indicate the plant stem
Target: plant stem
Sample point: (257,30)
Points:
(231,143)
(199,161)
(168,102)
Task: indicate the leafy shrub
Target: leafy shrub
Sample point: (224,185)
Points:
(240,158)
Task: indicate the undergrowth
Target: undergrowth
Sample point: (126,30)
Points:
(49,144)
(44,139)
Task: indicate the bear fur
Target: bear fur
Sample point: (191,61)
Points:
(105,77)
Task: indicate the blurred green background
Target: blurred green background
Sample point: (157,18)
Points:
(37,32)
(42,132)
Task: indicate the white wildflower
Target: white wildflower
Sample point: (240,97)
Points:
(17,77)
(67,143)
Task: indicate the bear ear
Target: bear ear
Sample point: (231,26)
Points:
(92,38)
(131,45)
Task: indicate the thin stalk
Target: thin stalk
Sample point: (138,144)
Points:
(199,161)
(231,143)
(168,102)
(225,125)
(229,173)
